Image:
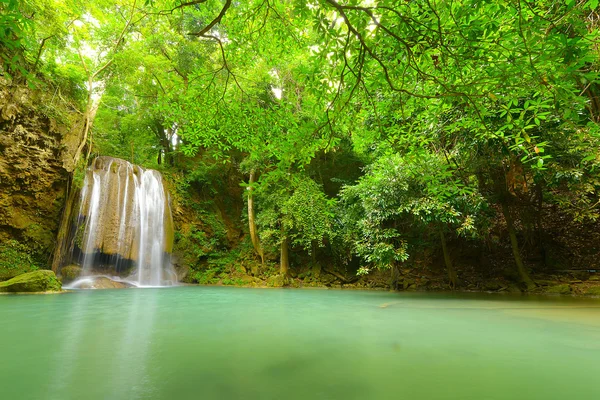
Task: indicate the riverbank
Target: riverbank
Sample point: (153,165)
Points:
(412,281)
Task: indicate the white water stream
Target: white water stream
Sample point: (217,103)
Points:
(125,216)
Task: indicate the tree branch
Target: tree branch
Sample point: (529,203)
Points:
(214,22)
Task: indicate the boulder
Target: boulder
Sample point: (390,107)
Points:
(36,281)
(100,282)
(70,273)
(276,281)
(8,273)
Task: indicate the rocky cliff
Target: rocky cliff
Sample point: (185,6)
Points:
(37,141)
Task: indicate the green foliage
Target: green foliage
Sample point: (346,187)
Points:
(399,191)
(14,28)
(207,277)
(308,214)
(449,106)
(294,207)
(79,175)
(15,259)
(217,267)
(197,245)
(232,282)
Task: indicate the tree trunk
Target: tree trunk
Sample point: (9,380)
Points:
(525,278)
(39,54)
(164,137)
(88,119)
(394,278)
(284,262)
(448,261)
(168,145)
(252,222)
(538,222)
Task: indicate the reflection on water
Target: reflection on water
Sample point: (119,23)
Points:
(93,339)
(228,343)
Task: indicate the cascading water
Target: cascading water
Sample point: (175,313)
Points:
(125,225)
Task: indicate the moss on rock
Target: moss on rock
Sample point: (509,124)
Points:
(70,273)
(559,289)
(36,281)
(276,281)
(593,291)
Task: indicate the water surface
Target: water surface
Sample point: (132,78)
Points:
(237,343)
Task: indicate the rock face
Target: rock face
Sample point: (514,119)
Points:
(36,281)
(36,156)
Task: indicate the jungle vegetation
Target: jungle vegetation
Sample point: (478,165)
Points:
(358,129)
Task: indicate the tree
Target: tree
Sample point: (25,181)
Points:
(453,107)
(398,193)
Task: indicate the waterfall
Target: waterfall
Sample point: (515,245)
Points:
(125,227)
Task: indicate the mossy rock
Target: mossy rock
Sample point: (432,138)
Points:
(276,281)
(70,273)
(8,273)
(36,281)
(559,289)
(593,291)
(408,283)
